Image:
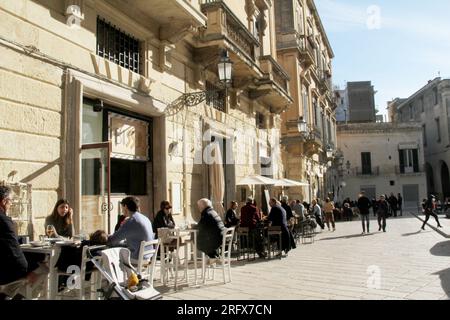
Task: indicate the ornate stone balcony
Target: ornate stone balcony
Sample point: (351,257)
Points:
(274,85)
(176,18)
(307,50)
(224,30)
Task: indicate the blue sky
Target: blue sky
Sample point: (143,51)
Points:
(399,53)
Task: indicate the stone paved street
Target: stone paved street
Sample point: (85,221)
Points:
(412,264)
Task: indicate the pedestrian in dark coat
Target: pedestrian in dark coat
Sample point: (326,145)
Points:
(210,229)
(364,205)
(393,202)
(382,212)
(430,210)
(277,216)
(400,204)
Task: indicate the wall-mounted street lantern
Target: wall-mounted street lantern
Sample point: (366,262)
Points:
(329,152)
(302,126)
(225,71)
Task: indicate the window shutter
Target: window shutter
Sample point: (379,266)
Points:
(416,160)
(401,154)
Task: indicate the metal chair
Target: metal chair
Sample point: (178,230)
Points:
(246,243)
(308,234)
(274,232)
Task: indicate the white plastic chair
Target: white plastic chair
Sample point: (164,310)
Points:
(80,283)
(224,260)
(146,262)
(116,268)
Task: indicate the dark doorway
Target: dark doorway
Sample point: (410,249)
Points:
(445,178)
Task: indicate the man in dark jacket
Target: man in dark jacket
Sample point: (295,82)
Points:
(286,207)
(393,202)
(382,212)
(277,216)
(14,265)
(210,229)
(364,205)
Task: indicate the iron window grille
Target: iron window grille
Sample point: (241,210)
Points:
(118,47)
(214,97)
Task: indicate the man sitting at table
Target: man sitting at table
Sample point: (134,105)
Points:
(250,217)
(15,271)
(210,229)
(137,228)
(277,216)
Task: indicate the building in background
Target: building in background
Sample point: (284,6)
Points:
(357,103)
(382,158)
(95,104)
(342,113)
(309,125)
(430,106)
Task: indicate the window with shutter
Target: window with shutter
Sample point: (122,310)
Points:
(366,163)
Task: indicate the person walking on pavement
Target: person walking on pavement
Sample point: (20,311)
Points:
(382,212)
(364,205)
(400,204)
(393,202)
(430,210)
(328,208)
(317,212)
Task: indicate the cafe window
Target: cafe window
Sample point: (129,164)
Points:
(128,177)
(119,47)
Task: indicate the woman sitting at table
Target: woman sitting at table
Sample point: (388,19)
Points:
(231,219)
(164,218)
(61,220)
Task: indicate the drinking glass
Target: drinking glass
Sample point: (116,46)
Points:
(50,230)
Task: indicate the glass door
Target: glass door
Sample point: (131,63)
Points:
(96,204)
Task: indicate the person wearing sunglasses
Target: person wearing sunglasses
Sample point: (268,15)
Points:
(164,218)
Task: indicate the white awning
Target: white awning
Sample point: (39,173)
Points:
(290,183)
(256,180)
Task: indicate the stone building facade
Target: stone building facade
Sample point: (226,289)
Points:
(305,52)
(94,106)
(382,158)
(430,106)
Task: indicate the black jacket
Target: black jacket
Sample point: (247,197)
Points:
(278,217)
(210,231)
(383,208)
(288,210)
(162,221)
(364,204)
(14,265)
(230,219)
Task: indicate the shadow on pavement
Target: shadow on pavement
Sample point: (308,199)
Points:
(444,275)
(414,233)
(441,249)
(348,237)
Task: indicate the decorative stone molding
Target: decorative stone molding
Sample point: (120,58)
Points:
(145,85)
(165,57)
(250,9)
(74,12)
